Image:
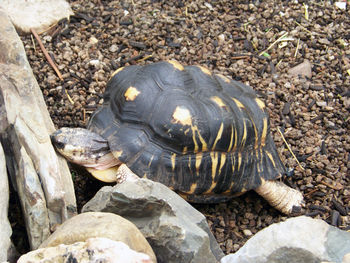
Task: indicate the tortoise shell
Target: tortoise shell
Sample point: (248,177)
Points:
(197,132)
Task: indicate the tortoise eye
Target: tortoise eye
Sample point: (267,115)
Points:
(59,145)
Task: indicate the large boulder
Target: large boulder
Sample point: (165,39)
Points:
(42,180)
(5,228)
(176,231)
(299,239)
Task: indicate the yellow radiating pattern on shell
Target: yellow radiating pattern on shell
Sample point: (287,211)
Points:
(260,103)
(239,161)
(204,70)
(231,140)
(131,93)
(115,72)
(219,102)
(238,103)
(244,136)
(173,161)
(224,78)
(264,132)
(222,162)
(214,163)
(203,142)
(182,116)
(150,161)
(176,64)
(218,136)
(192,188)
(199,157)
(271,158)
(256,145)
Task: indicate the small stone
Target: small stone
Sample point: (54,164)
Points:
(94,62)
(93,40)
(221,39)
(324,41)
(113,48)
(303,69)
(247,232)
(321,103)
(340,5)
(209,6)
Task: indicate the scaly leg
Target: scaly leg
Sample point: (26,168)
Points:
(280,196)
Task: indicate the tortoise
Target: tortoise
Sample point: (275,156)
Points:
(203,135)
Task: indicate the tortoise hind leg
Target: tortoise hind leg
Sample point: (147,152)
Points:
(280,196)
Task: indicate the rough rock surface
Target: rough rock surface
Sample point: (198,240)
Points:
(37,14)
(176,231)
(96,224)
(42,180)
(93,250)
(301,238)
(5,228)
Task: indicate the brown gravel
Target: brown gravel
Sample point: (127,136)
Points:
(227,37)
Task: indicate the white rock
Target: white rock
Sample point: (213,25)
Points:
(37,14)
(221,39)
(113,48)
(247,232)
(340,5)
(321,103)
(302,234)
(94,62)
(92,250)
(93,40)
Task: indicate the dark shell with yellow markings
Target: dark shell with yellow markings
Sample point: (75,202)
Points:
(199,133)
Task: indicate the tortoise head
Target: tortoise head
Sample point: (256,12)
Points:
(83,147)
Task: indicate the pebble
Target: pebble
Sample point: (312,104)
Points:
(113,48)
(247,232)
(321,103)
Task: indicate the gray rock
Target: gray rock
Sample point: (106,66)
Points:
(92,250)
(5,228)
(303,69)
(97,224)
(37,14)
(176,231)
(313,240)
(292,255)
(46,187)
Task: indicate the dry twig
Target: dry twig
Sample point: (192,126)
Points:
(290,150)
(52,64)
(274,43)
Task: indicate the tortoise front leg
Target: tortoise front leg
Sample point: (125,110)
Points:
(117,174)
(280,196)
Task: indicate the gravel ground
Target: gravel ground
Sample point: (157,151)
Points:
(227,37)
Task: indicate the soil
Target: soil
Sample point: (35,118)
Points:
(237,39)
